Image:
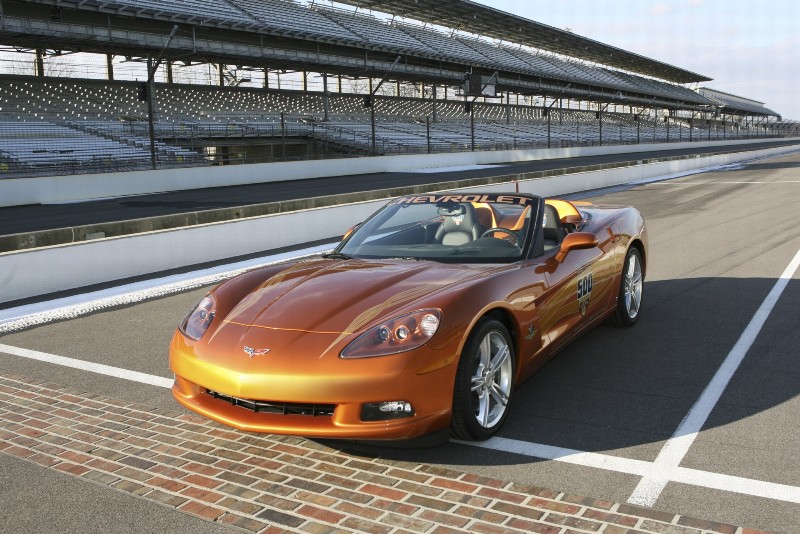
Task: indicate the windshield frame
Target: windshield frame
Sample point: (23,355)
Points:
(529,239)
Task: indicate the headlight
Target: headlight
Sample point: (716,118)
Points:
(198,321)
(400,334)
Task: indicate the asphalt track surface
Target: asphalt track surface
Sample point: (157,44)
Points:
(720,242)
(21,219)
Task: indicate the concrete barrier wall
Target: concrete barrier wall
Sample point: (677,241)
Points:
(43,190)
(46,270)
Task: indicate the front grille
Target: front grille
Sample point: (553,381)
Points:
(280,408)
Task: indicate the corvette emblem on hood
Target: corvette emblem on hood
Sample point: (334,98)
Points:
(255,352)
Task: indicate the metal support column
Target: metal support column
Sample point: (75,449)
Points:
(433,98)
(638,129)
(283,135)
(428,132)
(600,121)
(472,126)
(40,63)
(655,127)
(326,97)
(151,90)
(547,114)
(110,67)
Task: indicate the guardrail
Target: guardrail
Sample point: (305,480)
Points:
(29,273)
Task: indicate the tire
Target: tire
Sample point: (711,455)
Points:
(629,301)
(481,396)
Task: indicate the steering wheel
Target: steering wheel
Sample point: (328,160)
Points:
(512,233)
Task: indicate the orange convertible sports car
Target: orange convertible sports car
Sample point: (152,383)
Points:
(421,322)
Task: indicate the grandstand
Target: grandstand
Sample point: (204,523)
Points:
(553,88)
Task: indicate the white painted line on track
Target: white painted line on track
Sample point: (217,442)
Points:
(99,368)
(26,316)
(714,182)
(650,487)
(694,477)
(667,178)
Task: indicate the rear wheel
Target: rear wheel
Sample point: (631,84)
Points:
(631,285)
(484,382)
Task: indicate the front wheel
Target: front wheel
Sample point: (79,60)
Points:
(629,301)
(484,382)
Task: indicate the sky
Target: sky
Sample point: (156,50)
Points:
(750,48)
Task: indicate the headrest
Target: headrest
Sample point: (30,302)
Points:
(551,217)
(461,223)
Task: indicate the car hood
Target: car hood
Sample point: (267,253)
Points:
(326,296)
(305,313)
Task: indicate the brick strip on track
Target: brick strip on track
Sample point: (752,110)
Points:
(267,483)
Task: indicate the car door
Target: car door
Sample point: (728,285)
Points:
(571,288)
(577,291)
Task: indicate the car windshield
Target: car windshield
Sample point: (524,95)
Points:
(483,228)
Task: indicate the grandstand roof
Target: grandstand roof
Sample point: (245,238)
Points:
(491,22)
(736,104)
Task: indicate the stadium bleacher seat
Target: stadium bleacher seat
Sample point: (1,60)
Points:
(86,125)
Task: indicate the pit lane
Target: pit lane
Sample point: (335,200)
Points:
(719,243)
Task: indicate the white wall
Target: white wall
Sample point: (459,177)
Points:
(49,189)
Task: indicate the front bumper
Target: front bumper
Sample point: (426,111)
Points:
(227,396)
(345,423)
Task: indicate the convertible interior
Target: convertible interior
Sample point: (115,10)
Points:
(463,230)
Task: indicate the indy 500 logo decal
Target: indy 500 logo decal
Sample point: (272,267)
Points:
(584,291)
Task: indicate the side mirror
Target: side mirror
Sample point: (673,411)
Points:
(576,241)
(350,231)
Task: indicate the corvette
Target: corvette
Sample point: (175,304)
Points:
(422,321)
